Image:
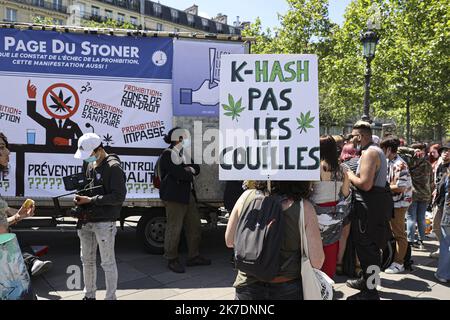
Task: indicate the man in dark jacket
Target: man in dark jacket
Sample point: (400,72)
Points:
(101,209)
(177,192)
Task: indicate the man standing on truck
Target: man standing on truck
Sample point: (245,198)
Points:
(101,209)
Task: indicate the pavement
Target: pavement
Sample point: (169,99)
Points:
(145,277)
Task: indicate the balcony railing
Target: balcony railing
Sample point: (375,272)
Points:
(133,5)
(49,5)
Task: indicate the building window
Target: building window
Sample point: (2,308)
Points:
(82,8)
(190,19)
(58,22)
(11,15)
(219,27)
(231,30)
(57,4)
(174,14)
(157,9)
(109,14)
(121,17)
(176,30)
(95,11)
(133,21)
(159,27)
(205,23)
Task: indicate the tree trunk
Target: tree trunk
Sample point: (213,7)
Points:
(408,119)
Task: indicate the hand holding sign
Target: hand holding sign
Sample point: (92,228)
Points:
(31,90)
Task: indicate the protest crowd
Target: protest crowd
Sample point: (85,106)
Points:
(373,192)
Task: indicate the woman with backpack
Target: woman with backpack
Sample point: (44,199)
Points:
(177,192)
(287,282)
(329,196)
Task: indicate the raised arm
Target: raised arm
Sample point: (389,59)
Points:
(368,165)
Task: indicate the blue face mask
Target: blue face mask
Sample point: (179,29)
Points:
(91,159)
(186,143)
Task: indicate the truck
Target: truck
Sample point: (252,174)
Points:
(128,86)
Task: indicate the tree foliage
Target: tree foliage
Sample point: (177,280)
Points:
(411,65)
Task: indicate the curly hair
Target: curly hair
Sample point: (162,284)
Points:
(296,190)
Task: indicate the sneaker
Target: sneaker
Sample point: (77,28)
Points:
(395,268)
(39,267)
(365,295)
(88,299)
(176,266)
(418,245)
(440,279)
(435,254)
(358,284)
(198,261)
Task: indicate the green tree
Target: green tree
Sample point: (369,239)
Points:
(109,23)
(263,39)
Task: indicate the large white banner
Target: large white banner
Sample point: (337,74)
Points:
(44,174)
(124,114)
(269,118)
(54,87)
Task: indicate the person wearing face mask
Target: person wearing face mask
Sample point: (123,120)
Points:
(372,209)
(178,194)
(99,227)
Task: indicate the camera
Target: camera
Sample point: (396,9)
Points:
(80,185)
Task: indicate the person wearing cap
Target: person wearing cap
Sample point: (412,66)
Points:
(178,194)
(439,195)
(104,205)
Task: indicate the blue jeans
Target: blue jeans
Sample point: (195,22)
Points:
(443,270)
(416,213)
(291,290)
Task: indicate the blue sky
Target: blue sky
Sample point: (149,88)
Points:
(248,10)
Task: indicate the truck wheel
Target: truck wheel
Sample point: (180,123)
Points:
(150,231)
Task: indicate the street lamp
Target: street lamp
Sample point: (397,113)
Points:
(369,40)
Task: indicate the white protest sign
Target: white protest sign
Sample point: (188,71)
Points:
(269,117)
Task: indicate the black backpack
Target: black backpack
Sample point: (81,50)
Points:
(258,237)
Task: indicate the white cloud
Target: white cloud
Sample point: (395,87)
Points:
(204,15)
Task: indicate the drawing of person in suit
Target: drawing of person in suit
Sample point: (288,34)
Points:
(59,132)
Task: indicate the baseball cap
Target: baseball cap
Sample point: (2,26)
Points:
(446,146)
(86,144)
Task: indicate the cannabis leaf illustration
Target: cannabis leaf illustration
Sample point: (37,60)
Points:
(305,121)
(58,104)
(233,109)
(108,139)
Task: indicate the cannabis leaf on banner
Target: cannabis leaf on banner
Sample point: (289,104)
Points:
(60,104)
(108,139)
(305,121)
(233,109)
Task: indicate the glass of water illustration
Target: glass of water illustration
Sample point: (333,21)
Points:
(31,136)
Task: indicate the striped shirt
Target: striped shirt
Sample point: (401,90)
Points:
(398,173)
